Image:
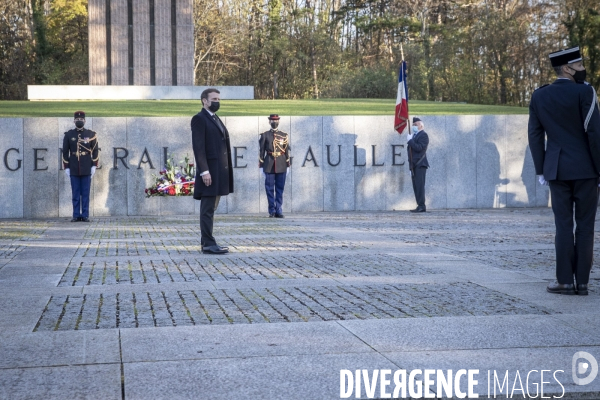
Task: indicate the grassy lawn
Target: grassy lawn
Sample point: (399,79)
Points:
(171,108)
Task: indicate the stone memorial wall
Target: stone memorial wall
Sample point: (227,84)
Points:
(340,163)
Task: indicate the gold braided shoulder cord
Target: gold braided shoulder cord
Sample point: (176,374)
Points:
(81,145)
(280,144)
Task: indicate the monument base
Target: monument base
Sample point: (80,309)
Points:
(93,92)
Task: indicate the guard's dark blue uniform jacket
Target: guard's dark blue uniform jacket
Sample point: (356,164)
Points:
(80,151)
(274,152)
(572,128)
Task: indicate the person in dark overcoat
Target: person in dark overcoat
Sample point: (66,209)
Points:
(417,144)
(564,139)
(214,171)
(80,160)
(274,162)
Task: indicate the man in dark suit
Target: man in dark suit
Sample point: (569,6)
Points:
(214,172)
(417,161)
(564,138)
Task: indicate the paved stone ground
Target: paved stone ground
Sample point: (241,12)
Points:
(131,308)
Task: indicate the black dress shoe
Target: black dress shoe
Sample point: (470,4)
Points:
(75,220)
(84,219)
(279,216)
(271,215)
(418,210)
(214,250)
(561,288)
(582,289)
(223,247)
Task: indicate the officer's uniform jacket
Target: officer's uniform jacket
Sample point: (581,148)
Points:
(80,151)
(417,154)
(274,152)
(567,113)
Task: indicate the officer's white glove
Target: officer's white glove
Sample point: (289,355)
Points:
(263,173)
(68,171)
(93,170)
(287,171)
(542,180)
(409,137)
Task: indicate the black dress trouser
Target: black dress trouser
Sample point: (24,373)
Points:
(574,252)
(418,182)
(208,205)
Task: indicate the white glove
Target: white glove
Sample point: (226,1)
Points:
(263,173)
(68,171)
(287,171)
(93,170)
(542,180)
(409,137)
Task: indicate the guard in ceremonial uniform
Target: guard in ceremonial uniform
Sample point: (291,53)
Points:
(274,163)
(564,138)
(80,159)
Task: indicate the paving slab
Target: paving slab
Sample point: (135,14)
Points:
(223,341)
(67,382)
(458,333)
(59,348)
(585,322)
(286,377)
(20,313)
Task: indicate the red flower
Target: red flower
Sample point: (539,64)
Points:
(171,191)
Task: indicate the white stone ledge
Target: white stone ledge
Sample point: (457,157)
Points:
(92,92)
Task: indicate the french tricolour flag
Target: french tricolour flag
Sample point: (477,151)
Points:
(401,119)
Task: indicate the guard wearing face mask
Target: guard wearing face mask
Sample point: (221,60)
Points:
(564,138)
(274,162)
(80,159)
(417,144)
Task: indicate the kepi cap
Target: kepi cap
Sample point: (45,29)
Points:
(274,117)
(566,56)
(79,114)
(416,119)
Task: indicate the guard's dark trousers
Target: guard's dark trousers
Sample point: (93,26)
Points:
(80,190)
(274,184)
(418,181)
(574,253)
(208,205)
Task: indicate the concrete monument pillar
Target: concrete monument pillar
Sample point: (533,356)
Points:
(141,42)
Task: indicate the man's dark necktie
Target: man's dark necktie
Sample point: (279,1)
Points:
(219,124)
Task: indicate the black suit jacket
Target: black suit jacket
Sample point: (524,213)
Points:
(212,152)
(559,112)
(417,154)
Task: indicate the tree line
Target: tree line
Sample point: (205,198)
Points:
(475,51)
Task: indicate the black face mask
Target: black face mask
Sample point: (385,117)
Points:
(274,124)
(214,106)
(579,76)
(79,124)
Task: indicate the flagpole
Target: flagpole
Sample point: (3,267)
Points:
(402,51)
(407,126)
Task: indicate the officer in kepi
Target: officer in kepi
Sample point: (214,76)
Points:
(80,160)
(564,139)
(274,163)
